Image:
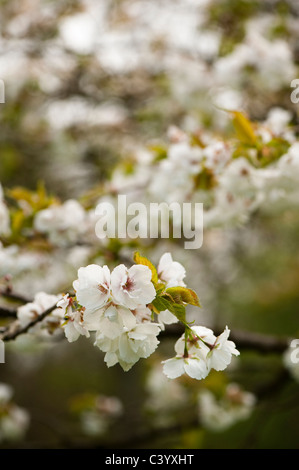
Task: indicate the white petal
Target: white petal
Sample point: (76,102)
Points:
(110,329)
(111,359)
(196,368)
(167,317)
(164,262)
(70,332)
(125,351)
(91,320)
(127,317)
(173,367)
(92,286)
(205,333)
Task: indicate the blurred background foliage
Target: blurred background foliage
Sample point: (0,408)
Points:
(89,82)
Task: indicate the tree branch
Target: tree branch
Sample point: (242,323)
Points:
(9,294)
(14,330)
(243,339)
(6,312)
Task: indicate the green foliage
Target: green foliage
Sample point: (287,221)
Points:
(183,295)
(251,146)
(160,151)
(25,204)
(244,128)
(164,302)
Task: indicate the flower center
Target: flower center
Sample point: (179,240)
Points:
(129,285)
(103,288)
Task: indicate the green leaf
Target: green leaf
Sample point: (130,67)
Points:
(183,295)
(244,128)
(179,311)
(160,287)
(161,303)
(138,259)
(159,150)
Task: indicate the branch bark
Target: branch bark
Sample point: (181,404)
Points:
(9,294)
(6,312)
(14,329)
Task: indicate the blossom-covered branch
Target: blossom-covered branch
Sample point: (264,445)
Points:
(16,328)
(127,309)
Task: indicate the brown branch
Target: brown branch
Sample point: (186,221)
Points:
(9,294)
(243,339)
(6,312)
(259,342)
(14,329)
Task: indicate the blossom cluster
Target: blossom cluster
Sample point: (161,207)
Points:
(31,311)
(115,306)
(126,310)
(218,414)
(200,352)
(232,177)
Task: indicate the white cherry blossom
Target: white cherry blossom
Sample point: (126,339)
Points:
(92,286)
(14,424)
(192,365)
(42,301)
(66,304)
(6,393)
(131,345)
(171,271)
(220,355)
(63,223)
(132,287)
(219,414)
(196,346)
(114,320)
(73,326)
(142,314)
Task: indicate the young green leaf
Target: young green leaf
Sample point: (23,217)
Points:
(243,128)
(161,303)
(183,295)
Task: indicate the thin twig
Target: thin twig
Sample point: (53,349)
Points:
(6,312)
(14,330)
(9,294)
